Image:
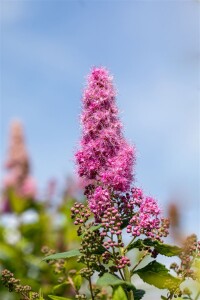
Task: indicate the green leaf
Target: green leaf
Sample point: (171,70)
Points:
(57,298)
(164,249)
(119,294)
(77,282)
(67,254)
(92,228)
(168,250)
(40,295)
(112,280)
(109,279)
(96,227)
(100,250)
(137,244)
(158,275)
(138,294)
(60,288)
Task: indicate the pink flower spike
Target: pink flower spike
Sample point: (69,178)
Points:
(104,154)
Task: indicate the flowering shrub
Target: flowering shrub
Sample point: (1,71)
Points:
(116,211)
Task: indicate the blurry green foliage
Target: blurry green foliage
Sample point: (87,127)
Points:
(20,247)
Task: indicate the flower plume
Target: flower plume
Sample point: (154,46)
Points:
(105,156)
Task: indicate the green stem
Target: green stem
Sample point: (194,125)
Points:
(91,291)
(126,271)
(128,279)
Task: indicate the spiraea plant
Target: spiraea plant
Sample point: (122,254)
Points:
(121,229)
(117,211)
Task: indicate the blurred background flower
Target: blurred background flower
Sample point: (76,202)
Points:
(18,165)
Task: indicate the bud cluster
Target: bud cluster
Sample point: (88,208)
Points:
(111,223)
(101,294)
(13,284)
(80,213)
(89,249)
(191,250)
(47,251)
(123,261)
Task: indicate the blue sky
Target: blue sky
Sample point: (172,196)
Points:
(151,48)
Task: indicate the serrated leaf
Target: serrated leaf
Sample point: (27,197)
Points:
(168,250)
(119,294)
(164,249)
(158,275)
(112,280)
(53,297)
(61,255)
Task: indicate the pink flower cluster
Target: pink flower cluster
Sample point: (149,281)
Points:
(146,220)
(146,217)
(105,156)
(99,201)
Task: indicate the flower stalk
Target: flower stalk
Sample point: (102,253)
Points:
(127,275)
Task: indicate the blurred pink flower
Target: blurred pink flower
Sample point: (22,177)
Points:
(18,165)
(28,188)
